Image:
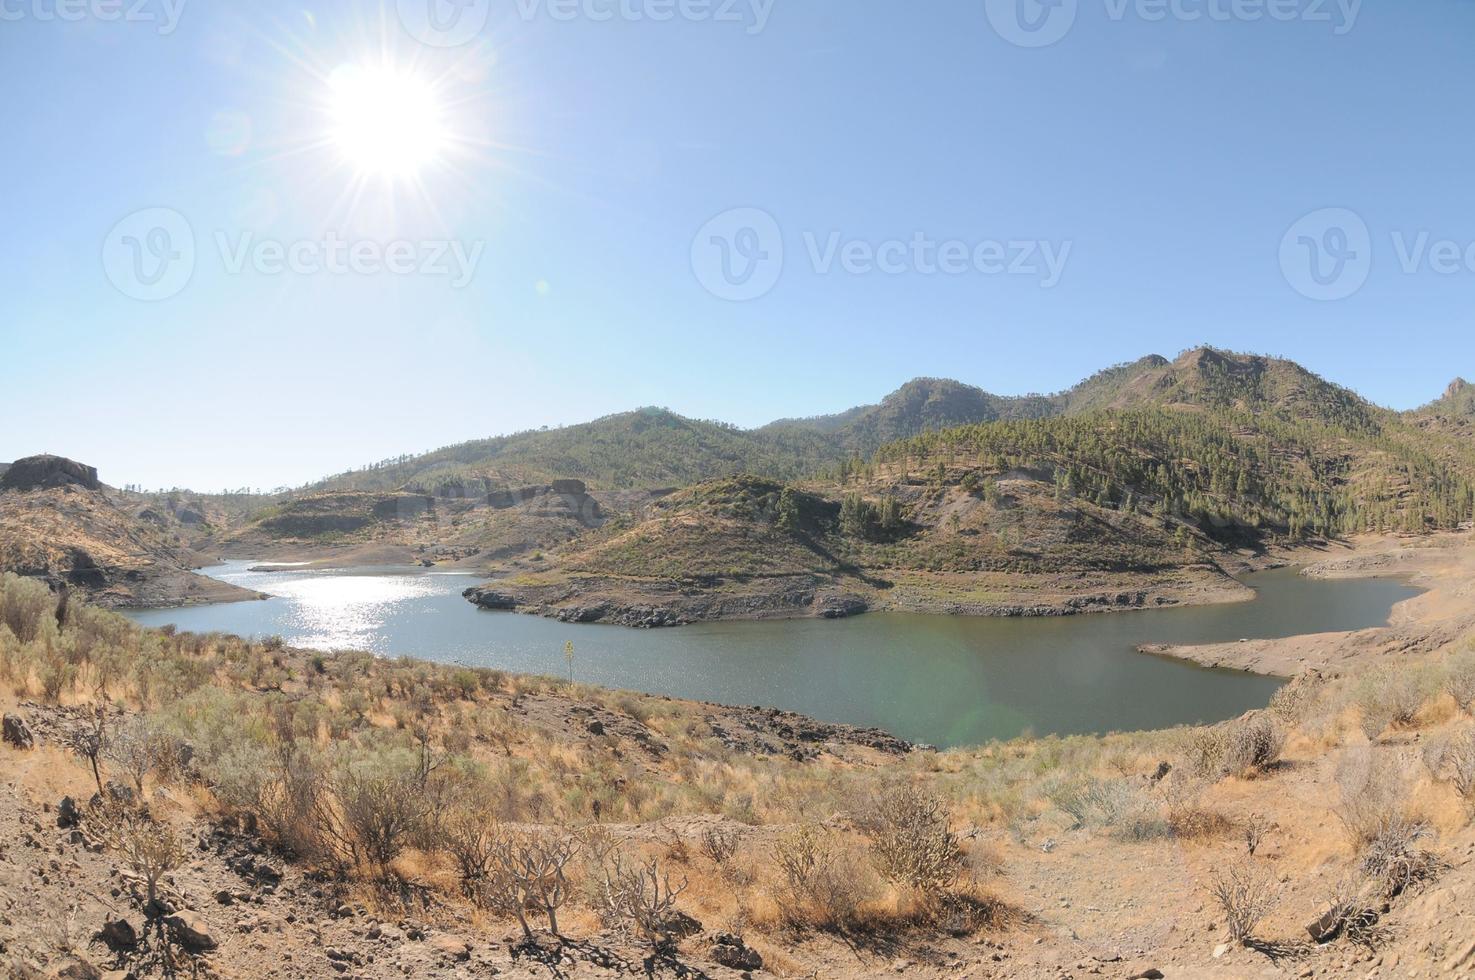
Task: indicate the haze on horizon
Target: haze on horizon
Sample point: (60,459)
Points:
(544,203)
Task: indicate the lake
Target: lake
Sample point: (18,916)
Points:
(943,680)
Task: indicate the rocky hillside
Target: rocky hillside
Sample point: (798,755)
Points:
(464,524)
(1001,544)
(60,525)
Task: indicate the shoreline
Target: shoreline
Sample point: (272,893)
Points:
(1439,565)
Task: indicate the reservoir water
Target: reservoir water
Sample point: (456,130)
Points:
(943,680)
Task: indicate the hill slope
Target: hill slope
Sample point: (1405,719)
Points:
(59,525)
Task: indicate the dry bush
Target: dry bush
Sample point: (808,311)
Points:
(150,849)
(1247,893)
(529,871)
(640,898)
(821,884)
(1459,679)
(1238,748)
(1452,760)
(1188,818)
(382,807)
(1354,913)
(1294,702)
(1394,859)
(139,748)
(1122,807)
(1255,830)
(1373,792)
(1391,698)
(719,844)
(911,844)
(469,835)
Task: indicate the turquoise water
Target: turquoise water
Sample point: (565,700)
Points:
(937,679)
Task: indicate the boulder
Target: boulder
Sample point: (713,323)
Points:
(491,599)
(47,473)
(191,931)
(67,814)
(595,727)
(451,947)
(17,733)
(574,488)
(76,969)
(730,951)
(118,934)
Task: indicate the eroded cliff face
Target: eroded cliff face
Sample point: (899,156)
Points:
(48,472)
(58,524)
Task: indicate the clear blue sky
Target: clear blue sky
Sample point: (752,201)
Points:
(1172,155)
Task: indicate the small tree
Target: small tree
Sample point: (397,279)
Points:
(137,748)
(88,743)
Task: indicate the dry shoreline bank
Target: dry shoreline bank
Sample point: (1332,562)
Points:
(1442,565)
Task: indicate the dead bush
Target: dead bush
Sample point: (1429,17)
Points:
(1391,698)
(1373,793)
(640,898)
(720,844)
(1246,893)
(138,749)
(821,885)
(381,805)
(1122,807)
(470,837)
(1459,679)
(1394,859)
(1188,818)
(1245,747)
(149,849)
(529,872)
(1452,760)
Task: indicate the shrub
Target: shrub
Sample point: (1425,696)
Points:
(1391,698)
(1372,791)
(1459,679)
(911,844)
(530,871)
(383,804)
(1452,759)
(719,844)
(469,836)
(1393,859)
(1244,747)
(641,899)
(151,850)
(1246,893)
(1121,806)
(821,886)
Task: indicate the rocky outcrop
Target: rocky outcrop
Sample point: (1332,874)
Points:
(48,473)
(17,733)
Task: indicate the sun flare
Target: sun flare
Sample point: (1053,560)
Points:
(385,122)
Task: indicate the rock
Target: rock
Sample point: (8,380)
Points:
(17,733)
(118,934)
(1221,949)
(451,947)
(67,814)
(573,488)
(1151,973)
(491,599)
(77,970)
(48,472)
(730,951)
(191,931)
(595,727)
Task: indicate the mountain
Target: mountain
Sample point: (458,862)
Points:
(649,447)
(1457,403)
(58,523)
(918,406)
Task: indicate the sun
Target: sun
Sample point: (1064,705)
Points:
(385,122)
